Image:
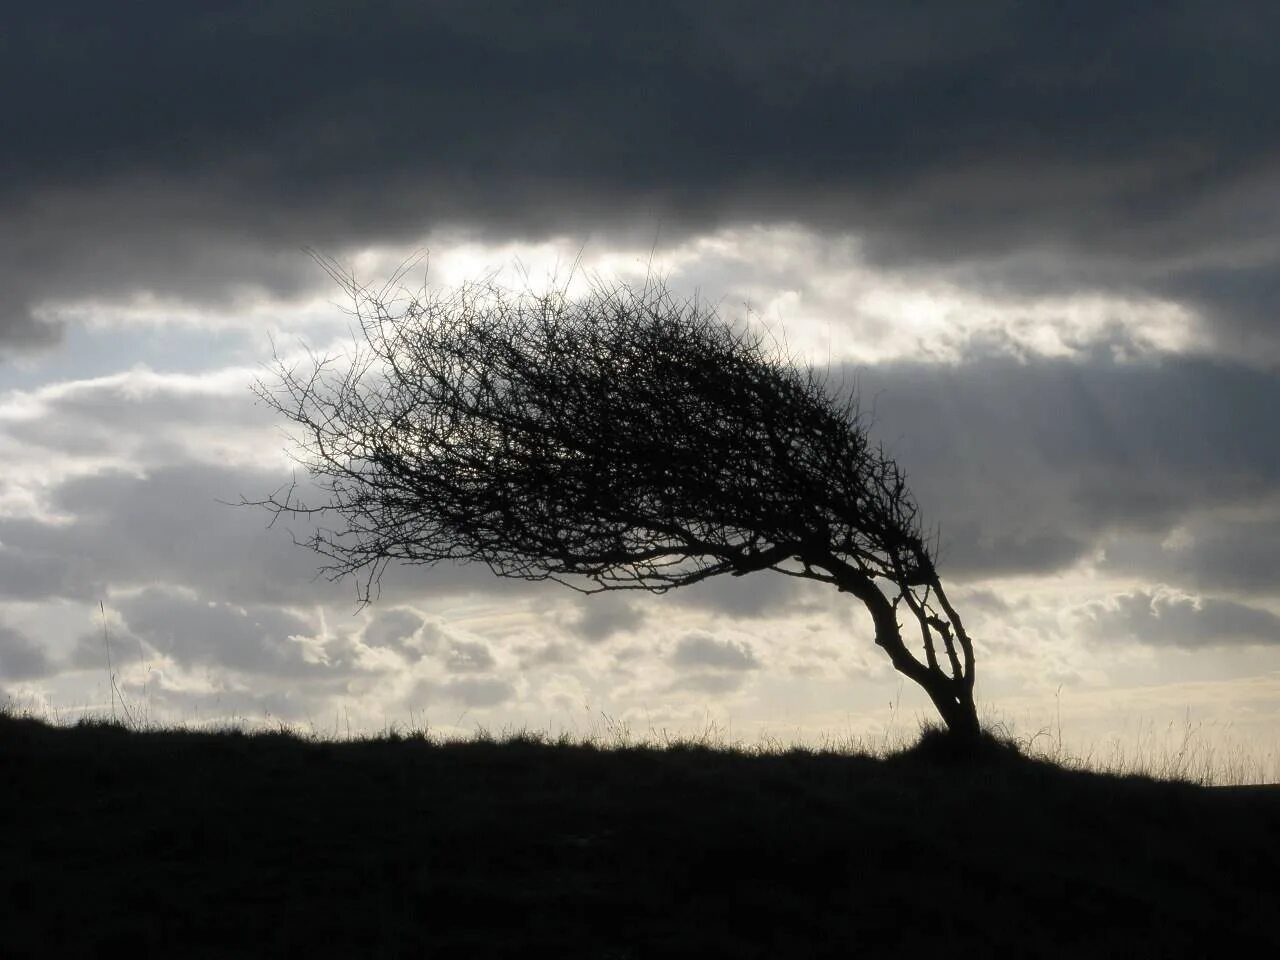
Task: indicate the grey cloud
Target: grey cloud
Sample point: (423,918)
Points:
(1209,552)
(156,696)
(703,650)
(42,572)
(1161,620)
(986,601)
(169,526)
(402,630)
(116,243)
(21,329)
(465,657)
(743,598)
(391,628)
(190,153)
(342,655)
(194,631)
(21,658)
(471,692)
(545,655)
(600,616)
(140,415)
(479,692)
(712,682)
(90,651)
(1028,467)
(1240,300)
(707,665)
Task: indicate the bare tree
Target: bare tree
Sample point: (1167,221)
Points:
(624,439)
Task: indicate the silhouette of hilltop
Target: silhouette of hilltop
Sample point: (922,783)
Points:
(221,844)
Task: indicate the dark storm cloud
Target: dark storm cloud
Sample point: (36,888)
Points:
(1178,621)
(1027,466)
(189,150)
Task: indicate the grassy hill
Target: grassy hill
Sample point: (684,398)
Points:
(195,844)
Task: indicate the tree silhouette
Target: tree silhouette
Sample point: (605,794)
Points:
(622,439)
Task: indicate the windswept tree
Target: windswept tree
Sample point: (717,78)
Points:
(625,439)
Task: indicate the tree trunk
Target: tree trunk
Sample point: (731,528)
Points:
(957,711)
(952,697)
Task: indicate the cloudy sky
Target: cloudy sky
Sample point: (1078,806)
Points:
(1042,237)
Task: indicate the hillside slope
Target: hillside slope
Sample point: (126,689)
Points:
(223,844)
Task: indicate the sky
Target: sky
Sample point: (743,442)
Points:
(1040,238)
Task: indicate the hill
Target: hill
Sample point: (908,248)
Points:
(198,844)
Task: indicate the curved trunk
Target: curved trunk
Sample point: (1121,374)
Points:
(951,695)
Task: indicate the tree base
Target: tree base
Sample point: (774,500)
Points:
(945,746)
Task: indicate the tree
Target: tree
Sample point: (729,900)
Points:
(623,439)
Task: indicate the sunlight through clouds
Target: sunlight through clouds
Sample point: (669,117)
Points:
(1055,295)
(816,295)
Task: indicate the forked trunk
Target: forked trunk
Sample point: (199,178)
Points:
(952,694)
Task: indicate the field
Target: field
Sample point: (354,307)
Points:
(145,843)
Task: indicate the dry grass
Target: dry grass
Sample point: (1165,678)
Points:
(1185,752)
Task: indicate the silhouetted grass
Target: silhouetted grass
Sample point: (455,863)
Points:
(228,844)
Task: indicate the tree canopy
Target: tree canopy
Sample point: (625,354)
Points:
(621,439)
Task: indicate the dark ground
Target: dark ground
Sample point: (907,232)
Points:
(186,844)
